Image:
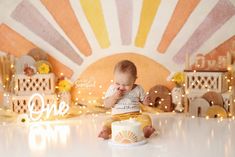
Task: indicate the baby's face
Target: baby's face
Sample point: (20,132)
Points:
(123,81)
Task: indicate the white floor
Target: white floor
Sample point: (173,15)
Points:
(179,136)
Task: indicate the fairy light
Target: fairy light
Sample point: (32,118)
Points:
(111,81)
(193,116)
(89,93)
(169,93)
(100,86)
(186,92)
(207,117)
(155,91)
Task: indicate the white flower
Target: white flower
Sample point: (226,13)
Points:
(23,119)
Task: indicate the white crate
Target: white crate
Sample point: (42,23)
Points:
(19,104)
(202,82)
(38,83)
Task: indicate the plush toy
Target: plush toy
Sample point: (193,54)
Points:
(29,70)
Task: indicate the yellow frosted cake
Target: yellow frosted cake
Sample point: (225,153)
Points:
(127,132)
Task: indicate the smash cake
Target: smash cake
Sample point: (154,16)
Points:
(127,132)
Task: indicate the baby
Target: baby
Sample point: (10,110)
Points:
(124,97)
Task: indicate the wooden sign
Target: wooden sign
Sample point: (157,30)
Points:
(213,64)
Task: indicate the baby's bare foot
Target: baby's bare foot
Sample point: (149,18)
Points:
(105,133)
(148,131)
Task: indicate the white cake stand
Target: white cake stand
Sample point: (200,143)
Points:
(111,143)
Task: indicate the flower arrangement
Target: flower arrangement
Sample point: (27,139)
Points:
(44,68)
(178,78)
(64,85)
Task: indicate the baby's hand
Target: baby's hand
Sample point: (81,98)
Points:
(147,100)
(118,94)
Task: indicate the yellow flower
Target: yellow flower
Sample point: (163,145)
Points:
(178,78)
(64,86)
(44,69)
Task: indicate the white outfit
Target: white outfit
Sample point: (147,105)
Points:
(129,102)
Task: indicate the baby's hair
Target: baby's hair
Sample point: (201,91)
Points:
(126,66)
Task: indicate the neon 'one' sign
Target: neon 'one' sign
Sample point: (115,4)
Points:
(63,108)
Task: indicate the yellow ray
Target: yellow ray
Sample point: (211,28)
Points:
(94,15)
(148,13)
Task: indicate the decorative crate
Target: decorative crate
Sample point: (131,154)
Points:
(38,83)
(19,104)
(202,82)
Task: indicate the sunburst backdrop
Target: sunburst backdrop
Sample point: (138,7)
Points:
(85,38)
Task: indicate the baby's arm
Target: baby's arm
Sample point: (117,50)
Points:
(112,100)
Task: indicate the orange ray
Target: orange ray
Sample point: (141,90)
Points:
(65,17)
(17,45)
(181,13)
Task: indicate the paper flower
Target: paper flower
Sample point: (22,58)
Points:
(178,78)
(64,85)
(23,119)
(44,68)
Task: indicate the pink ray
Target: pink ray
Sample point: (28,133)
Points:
(26,14)
(125,16)
(221,13)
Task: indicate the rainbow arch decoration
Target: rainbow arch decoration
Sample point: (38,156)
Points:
(79,33)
